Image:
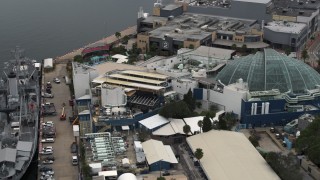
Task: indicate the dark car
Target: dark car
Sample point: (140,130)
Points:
(51,158)
(49,85)
(45,169)
(165,173)
(74,147)
(48,90)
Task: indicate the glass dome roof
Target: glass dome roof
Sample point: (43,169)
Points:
(271,70)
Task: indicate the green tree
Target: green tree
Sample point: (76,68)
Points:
(287,51)
(304,55)
(161,178)
(191,46)
(234,47)
(309,141)
(187,129)
(230,120)
(191,102)
(207,124)
(200,124)
(198,153)
(286,166)
(78,58)
(222,124)
(177,110)
(244,48)
(118,35)
(254,141)
(125,39)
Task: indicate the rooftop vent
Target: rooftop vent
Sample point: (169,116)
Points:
(300,2)
(284,10)
(301,12)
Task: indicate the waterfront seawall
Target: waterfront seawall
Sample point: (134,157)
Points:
(108,40)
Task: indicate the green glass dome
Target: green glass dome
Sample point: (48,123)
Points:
(271,70)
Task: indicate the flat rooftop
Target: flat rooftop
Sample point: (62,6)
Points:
(198,26)
(230,155)
(286,27)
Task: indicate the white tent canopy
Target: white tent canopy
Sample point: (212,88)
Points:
(48,63)
(154,122)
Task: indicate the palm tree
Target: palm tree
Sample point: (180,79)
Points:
(187,129)
(118,35)
(200,124)
(305,55)
(198,153)
(234,47)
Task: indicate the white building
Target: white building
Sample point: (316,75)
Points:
(48,63)
(229,97)
(82,76)
(182,86)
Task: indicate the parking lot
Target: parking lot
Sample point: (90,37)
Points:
(62,165)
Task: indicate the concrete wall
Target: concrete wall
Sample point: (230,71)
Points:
(81,84)
(160,164)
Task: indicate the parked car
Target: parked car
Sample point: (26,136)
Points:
(50,158)
(47,152)
(48,90)
(56,80)
(47,140)
(45,169)
(49,85)
(74,147)
(46,95)
(165,173)
(47,148)
(47,161)
(272,129)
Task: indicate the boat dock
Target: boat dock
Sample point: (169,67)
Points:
(108,40)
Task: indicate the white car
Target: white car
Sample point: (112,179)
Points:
(46,152)
(47,95)
(47,148)
(48,123)
(56,80)
(47,140)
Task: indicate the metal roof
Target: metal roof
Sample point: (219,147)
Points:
(145,74)
(155,151)
(154,121)
(230,155)
(132,78)
(132,84)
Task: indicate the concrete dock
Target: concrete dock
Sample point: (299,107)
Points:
(108,40)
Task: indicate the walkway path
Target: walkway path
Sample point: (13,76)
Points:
(108,40)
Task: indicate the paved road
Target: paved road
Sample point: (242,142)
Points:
(62,165)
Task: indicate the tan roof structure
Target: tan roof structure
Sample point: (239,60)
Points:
(229,155)
(111,66)
(138,79)
(145,74)
(155,151)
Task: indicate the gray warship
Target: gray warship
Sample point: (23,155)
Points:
(19,114)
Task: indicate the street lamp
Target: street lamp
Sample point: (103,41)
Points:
(160,165)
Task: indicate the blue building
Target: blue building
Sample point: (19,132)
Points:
(158,156)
